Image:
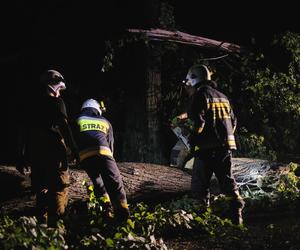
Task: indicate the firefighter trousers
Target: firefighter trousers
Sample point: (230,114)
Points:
(106,178)
(218,162)
(50,181)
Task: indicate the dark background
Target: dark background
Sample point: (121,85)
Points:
(69,36)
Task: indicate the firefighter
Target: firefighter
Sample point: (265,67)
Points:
(212,139)
(46,144)
(96,154)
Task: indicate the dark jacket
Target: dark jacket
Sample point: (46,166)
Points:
(213,118)
(96,134)
(46,133)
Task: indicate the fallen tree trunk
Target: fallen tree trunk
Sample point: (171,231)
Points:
(142,181)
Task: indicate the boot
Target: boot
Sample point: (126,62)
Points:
(122,212)
(237,205)
(108,214)
(41,209)
(105,203)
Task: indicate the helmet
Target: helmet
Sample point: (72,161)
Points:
(197,74)
(54,80)
(91,103)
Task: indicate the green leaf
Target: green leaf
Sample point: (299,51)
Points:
(130,223)
(109,242)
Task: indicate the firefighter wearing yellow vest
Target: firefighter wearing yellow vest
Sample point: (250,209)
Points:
(96,155)
(212,139)
(46,145)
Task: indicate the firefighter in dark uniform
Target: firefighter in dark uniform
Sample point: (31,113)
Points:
(96,154)
(212,139)
(46,144)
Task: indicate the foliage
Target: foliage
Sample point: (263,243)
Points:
(149,226)
(270,97)
(276,190)
(145,228)
(26,233)
(254,146)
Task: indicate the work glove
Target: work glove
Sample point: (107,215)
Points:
(77,157)
(74,157)
(173,122)
(22,167)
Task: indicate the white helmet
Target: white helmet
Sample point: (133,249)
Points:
(196,74)
(91,103)
(54,80)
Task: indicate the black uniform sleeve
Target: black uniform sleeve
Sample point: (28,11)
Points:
(64,127)
(198,110)
(61,108)
(111,138)
(233,120)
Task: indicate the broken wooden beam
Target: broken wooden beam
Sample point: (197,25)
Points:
(185,38)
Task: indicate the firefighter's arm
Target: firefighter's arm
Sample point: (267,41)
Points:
(68,138)
(200,123)
(198,110)
(198,116)
(233,120)
(66,132)
(111,139)
(197,129)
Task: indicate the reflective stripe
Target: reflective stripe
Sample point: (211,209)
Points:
(200,130)
(233,129)
(220,108)
(231,138)
(218,105)
(231,141)
(217,99)
(103,150)
(90,123)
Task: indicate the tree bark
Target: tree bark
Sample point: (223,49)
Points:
(154,107)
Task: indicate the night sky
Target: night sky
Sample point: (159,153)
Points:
(69,36)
